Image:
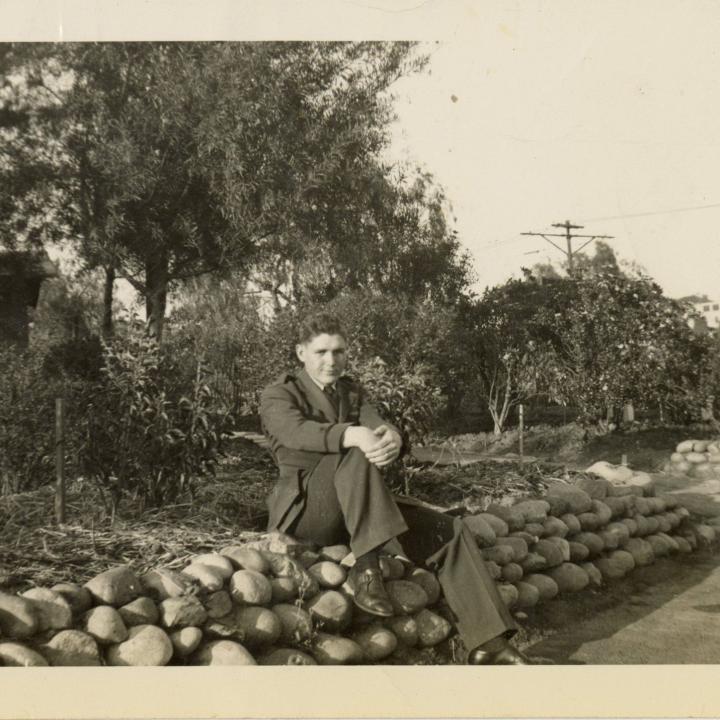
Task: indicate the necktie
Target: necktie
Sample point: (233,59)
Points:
(331,394)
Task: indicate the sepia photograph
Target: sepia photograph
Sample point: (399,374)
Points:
(375,336)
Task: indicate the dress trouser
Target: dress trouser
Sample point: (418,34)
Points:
(346,500)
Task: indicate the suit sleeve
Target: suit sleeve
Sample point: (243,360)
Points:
(285,421)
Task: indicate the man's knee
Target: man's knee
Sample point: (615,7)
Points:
(355,458)
(358,470)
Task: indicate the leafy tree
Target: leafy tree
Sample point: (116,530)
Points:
(382,229)
(544,270)
(621,340)
(603,260)
(511,348)
(595,341)
(166,161)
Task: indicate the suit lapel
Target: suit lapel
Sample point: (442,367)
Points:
(317,397)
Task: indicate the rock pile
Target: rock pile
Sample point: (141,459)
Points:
(277,601)
(271,602)
(578,535)
(696,459)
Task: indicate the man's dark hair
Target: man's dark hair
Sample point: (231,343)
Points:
(319,324)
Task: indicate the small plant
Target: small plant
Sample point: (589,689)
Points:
(149,428)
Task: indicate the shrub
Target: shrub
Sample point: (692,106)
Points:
(66,326)
(27,422)
(245,350)
(223,323)
(404,397)
(30,382)
(406,334)
(79,359)
(149,427)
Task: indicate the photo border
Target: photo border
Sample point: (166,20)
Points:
(377,691)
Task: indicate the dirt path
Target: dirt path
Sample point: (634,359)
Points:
(667,613)
(663,614)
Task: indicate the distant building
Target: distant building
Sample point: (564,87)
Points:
(709,311)
(21,275)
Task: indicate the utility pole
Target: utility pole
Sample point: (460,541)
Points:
(569,237)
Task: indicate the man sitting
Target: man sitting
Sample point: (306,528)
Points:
(330,444)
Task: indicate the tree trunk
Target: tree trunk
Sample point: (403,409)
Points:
(505,408)
(497,428)
(156,281)
(492,406)
(107,319)
(499,416)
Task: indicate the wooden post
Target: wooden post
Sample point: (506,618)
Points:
(59,461)
(521,424)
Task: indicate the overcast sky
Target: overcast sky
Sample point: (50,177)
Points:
(606,114)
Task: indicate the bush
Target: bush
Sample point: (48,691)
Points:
(79,359)
(406,334)
(149,427)
(56,364)
(404,397)
(223,323)
(27,421)
(64,356)
(417,347)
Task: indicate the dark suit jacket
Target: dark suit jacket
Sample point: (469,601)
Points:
(303,426)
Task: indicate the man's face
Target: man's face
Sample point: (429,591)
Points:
(324,357)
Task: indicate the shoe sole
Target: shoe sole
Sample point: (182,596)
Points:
(373,612)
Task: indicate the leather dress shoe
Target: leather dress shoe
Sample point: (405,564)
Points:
(507,655)
(370,594)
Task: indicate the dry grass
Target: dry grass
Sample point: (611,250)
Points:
(223,510)
(34,550)
(475,486)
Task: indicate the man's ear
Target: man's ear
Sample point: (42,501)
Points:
(300,352)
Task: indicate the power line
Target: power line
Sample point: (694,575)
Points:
(569,237)
(648,213)
(655,212)
(498,242)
